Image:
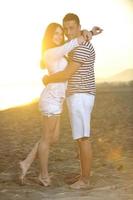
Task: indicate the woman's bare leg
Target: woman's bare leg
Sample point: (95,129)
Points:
(54,124)
(49,135)
(26,163)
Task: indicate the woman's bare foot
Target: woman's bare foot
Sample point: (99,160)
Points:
(24,169)
(45,181)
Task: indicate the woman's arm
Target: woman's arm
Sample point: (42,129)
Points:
(53,54)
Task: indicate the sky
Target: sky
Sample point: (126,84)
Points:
(23,22)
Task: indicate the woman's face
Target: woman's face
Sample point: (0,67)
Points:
(58,36)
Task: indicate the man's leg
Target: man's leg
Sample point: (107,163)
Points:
(85,158)
(85,163)
(80,108)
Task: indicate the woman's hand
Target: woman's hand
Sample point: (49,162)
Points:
(87,35)
(81,39)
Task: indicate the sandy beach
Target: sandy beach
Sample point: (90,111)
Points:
(112,140)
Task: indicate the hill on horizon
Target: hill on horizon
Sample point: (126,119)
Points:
(124,76)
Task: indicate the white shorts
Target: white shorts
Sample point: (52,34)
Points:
(50,104)
(80,106)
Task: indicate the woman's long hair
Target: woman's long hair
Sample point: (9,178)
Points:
(47,41)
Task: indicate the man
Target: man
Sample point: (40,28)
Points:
(80,93)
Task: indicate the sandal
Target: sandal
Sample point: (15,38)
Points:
(45,181)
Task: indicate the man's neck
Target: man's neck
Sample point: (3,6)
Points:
(78,34)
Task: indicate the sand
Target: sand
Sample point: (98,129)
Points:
(112,169)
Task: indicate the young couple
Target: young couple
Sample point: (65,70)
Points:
(71,75)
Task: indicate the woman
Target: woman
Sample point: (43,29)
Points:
(54,51)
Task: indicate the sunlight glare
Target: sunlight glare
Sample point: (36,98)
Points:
(19,94)
(21,36)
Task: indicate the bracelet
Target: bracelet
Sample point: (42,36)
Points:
(92,33)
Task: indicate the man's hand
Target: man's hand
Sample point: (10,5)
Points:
(87,35)
(45,79)
(62,76)
(96,30)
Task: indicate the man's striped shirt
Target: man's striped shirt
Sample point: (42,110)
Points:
(83,80)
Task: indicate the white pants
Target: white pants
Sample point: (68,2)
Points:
(80,106)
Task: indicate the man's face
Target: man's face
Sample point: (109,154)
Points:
(71,29)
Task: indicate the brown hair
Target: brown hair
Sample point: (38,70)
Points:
(48,36)
(71,16)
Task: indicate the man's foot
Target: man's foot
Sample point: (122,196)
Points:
(80,184)
(72,178)
(45,181)
(24,169)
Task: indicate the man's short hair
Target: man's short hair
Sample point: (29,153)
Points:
(71,16)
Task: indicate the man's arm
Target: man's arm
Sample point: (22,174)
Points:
(89,34)
(64,75)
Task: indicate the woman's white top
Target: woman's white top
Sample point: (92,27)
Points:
(55,61)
